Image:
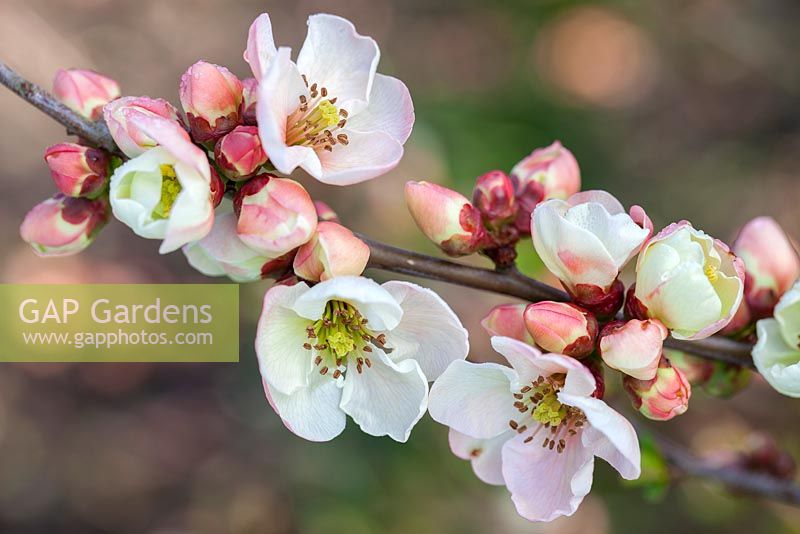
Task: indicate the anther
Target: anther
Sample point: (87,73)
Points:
(307,346)
(318,360)
(367,348)
(513,424)
(337,373)
(369,363)
(323,371)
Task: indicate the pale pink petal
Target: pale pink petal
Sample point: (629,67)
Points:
(507,320)
(474,399)
(335,56)
(390,110)
(604,198)
(484,454)
(278,97)
(367,156)
(545,484)
(170,135)
(370,299)
(429,332)
(260,46)
(385,398)
(609,435)
(282,360)
(311,412)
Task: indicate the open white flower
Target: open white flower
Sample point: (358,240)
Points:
(777,353)
(534,427)
(351,346)
(165,193)
(330,113)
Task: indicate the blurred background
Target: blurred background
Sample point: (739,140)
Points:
(689,108)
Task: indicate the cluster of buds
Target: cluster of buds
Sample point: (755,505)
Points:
(500,211)
(69,221)
(276,231)
(687,284)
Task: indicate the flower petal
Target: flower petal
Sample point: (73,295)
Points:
(775,360)
(474,399)
(390,110)
(278,97)
(609,435)
(366,156)
(545,484)
(429,332)
(311,412)
(386,398)
(282,360)
(175,140)
(335,56)
(484,454)
(371,300)
(530,364)
(260,46)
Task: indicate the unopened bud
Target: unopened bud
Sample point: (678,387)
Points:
(78,171)
(494,197)
(121,118)
(633,347)
(85,91)
(332,251)
(771,264)
(507,320)
(62,225)
(447,218)
(664,396)
(239,153)
(249,99)
(562,328)
(550,172)
(211,96)
(275,215)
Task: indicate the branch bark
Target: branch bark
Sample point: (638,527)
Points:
(506,282)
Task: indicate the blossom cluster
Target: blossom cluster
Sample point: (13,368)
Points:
(215,179)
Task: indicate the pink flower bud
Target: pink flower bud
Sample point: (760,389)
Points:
(771,264)
(217,187)
(696,370)
(325,212)
(662,397)
(275,215)
(445,217)
(494,197)
(507,320)
(239,153)
(78,171)
(633,347)
(562,328)
(62,225)
(603,303)
(85,91)
(211,96)
(122,116)
(332,251)
(550,172)
(249,99)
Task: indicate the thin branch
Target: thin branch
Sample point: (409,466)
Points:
(514,284)
(507,282)
(734,478)
(386,257)
(95,133)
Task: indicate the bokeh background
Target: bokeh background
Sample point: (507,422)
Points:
(689,108)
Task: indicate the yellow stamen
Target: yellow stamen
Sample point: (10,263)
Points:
(711,273)
(170,188)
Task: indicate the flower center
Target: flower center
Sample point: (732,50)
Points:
(341,333)
(710,272)
(170,187)
(316,119)
(546,414)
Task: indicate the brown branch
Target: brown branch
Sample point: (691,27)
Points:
(513,283)
(732,477)
(95,133)
(507,282)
